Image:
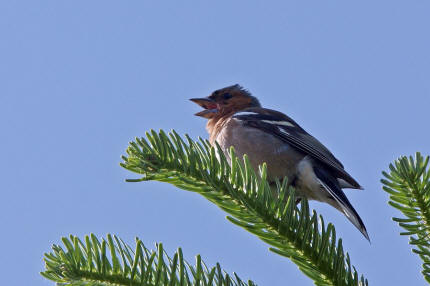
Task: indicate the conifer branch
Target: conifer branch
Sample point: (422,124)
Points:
(292,232)
(408,185)
(111,262)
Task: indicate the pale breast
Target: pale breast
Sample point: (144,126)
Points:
(281,158)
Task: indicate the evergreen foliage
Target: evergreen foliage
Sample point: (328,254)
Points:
(253,204)
(408,184)
(292,232)
(111,262)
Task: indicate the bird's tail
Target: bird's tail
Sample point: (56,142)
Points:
(333,188)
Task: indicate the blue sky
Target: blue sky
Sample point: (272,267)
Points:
(80,79)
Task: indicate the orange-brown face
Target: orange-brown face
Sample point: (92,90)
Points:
(225,101)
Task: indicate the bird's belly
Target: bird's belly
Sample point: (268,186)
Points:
(281,158)
(307,183)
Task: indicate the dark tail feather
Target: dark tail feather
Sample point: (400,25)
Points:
(333,187)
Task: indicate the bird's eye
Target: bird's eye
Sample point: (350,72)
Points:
(227,95)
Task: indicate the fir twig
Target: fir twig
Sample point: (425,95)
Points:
(248,198)
(112,262)
(408,184)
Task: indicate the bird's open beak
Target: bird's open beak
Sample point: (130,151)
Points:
(208,104)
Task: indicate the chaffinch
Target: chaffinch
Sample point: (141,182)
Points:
(236,118)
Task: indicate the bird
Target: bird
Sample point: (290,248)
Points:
(236,118)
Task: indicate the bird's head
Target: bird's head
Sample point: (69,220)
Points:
(225,101)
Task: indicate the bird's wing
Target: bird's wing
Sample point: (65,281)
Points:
(286,129)
(333,188)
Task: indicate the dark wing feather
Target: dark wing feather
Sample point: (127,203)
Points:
(286,129)
(333,188)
